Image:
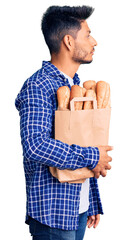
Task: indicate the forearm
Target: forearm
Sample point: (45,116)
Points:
(55,153)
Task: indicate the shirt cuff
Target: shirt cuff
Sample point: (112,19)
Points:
(92,156)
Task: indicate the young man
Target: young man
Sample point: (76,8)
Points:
(58,210)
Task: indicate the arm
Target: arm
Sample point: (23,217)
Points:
(36,111)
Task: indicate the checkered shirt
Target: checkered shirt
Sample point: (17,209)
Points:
(47,200)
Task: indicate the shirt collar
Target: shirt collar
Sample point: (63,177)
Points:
(54,71)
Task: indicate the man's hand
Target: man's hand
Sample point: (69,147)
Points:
(103,163)
(93,221)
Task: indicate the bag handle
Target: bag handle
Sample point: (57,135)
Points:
(78,99)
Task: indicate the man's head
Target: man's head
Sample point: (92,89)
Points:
(66,26)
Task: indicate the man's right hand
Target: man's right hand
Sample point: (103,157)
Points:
(103,164)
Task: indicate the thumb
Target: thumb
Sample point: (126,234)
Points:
(108,148)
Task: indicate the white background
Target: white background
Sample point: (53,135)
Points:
(22,51)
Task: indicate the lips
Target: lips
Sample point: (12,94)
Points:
(93,52)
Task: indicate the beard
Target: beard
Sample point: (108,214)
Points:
(79,56)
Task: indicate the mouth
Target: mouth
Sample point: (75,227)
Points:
(92,52)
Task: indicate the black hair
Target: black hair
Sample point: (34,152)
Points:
(59,21)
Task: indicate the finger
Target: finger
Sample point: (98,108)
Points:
(109,159)
(108,148)
(108,167)
(91,224)
(97,174)
(89,219)
(103,173)
(97,219)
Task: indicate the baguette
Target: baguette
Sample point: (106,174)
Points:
(107,97)
(109,103)
(103,94)
(90,84)
(63,96)
(77,91)
(89,104)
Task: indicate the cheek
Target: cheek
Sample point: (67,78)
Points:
(83,47)
(88,46)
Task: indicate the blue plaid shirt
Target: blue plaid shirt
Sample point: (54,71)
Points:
(49,201)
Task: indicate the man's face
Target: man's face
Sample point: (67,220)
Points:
(83,45)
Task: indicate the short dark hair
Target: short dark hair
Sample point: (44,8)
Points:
(58,21)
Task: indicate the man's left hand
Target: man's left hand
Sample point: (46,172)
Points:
(93,221)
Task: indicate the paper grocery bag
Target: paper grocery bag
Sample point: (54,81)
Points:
(85,128)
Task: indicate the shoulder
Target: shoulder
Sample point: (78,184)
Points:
(38,80)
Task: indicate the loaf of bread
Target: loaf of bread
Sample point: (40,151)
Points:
(109,102)
(106,101)
(103,94)
(90,84)
(89,104)
(63,97)
(77,91)
(100,91)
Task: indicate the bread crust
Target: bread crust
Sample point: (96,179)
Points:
(107,96)
(89,104)
(63,97)
(77,91)
(101,87)
(90,84)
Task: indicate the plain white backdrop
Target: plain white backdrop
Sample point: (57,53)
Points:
(22,51)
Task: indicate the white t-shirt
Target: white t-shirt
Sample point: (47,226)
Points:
(84,193)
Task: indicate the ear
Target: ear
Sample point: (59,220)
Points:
(68,41)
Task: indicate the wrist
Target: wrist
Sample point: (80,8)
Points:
(93,156)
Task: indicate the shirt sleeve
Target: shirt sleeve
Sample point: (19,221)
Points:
(36,113)
(95,205)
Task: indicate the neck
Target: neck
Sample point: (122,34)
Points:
(65,64)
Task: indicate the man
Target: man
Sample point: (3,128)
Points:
(58,210)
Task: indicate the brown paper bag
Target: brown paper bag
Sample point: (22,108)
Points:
(85,128)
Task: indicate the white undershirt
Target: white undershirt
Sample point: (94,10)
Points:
(84,193)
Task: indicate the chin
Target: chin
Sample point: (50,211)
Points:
(82,60)
(86,61)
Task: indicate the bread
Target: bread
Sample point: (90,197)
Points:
(90,84)
(89,104)
(99,91)
(77,91)
(63,96)
(84,91)
(103,94)
(106,100)
(109,102)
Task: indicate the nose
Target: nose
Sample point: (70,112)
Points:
(94,42)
